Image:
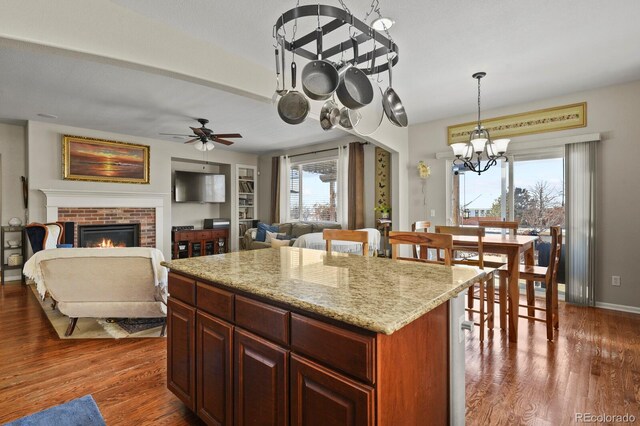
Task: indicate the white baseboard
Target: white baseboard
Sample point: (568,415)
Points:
(622,308)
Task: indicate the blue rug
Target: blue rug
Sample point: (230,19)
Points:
(79,412)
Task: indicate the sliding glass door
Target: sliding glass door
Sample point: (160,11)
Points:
(536,201)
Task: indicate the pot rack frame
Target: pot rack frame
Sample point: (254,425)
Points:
(341,18)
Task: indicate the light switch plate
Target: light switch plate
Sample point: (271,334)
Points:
(433,212)
(615,280)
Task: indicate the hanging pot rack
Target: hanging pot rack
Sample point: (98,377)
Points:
(382,46)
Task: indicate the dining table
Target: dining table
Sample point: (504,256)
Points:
(512,246)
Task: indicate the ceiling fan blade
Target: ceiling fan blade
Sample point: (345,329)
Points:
(197,131)
(174,134)
(227,135)
(192,140)
(222,141)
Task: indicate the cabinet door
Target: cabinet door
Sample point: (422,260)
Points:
(261,396)
(181,338)
(214,367)
(322,397)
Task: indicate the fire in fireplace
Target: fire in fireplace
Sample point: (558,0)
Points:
(120,235)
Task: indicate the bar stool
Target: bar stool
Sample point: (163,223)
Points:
(346,235)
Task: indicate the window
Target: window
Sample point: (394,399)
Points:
(313,191)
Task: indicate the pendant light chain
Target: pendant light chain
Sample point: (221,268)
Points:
(479,103)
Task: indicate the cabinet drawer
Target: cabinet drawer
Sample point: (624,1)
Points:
(182,288)
(265,320)
(203,235)
(345,350)
(215,301)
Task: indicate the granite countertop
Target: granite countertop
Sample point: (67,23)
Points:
(376,294)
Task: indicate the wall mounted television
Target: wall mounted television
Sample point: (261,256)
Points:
(194,187)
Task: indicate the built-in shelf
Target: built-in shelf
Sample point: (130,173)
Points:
(246,186)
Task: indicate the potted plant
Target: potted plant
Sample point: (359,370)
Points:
(384,210)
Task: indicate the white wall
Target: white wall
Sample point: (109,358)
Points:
(613,112)
(44,158)
(264,170)
(12,148)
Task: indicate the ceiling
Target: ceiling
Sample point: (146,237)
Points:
(105,97)
(530,50)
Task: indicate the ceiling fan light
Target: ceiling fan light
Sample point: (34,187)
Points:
(200,146)
(209,146)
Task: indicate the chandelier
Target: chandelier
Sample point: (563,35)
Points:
(480,147)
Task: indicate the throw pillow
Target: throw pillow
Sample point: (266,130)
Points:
(279,243)
(271,236)
(261,235)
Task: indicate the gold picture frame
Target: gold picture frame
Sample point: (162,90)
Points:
(526,123)
(100,160)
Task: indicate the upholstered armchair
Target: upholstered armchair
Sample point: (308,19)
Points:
(44,236)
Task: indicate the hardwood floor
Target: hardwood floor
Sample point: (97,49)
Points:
(38,370)
(594,366)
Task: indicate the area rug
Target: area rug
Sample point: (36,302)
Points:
(97,328)
(78,412)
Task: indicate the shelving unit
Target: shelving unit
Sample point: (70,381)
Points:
(199,242)
(5,250)
(246,188)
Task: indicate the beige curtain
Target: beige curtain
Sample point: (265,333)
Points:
(275,190)
(356,185)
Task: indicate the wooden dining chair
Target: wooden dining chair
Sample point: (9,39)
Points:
(549,276)
(346,235)
(511,226)
(419,226)
(484,289)
(442,243)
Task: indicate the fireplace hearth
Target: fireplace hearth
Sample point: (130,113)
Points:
(118,235)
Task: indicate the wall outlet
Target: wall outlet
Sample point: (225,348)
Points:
(615,280)
(433,212)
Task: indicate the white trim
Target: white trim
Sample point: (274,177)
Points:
(621,308)
(519,147)
(57,198)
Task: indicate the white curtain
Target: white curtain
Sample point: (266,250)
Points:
(284,188)
(343,187)
(580,181)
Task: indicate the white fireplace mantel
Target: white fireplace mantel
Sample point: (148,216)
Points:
(57,198)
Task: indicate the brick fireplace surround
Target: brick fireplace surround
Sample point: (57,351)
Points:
(146,217)
(111,207)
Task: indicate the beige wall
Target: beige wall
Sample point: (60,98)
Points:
(264,169)
(613,112)
(12,148)
(45,170)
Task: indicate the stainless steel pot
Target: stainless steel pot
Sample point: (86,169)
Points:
(329,115)
(393,107)
(293,107)
(355,90)
(320,78)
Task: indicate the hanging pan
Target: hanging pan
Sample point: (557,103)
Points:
(393,107)
(293,107)
(319,78)
(367,119)
(355,89)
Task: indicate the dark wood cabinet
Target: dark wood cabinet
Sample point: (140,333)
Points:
(261,387)
(322,397)
(214,359)
(239,360)
(199,242)
(181,339)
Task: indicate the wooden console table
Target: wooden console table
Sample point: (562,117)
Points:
(199,242)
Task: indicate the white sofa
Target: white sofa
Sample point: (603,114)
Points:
(101,283)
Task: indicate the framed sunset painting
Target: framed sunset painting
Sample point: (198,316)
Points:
(100,160)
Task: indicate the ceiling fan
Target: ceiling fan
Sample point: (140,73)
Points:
(206,136)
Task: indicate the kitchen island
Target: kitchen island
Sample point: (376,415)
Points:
(297,336)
